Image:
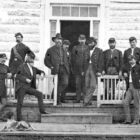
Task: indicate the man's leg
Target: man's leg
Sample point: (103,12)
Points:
(126,104)
(78,87)
(39,96)
(136,95)
(20,96)
(62,83)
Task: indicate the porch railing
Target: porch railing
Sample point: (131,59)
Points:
(111,90)
(47,85)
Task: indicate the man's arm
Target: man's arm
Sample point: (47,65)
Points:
(11,57)
(100,61)
(47,59)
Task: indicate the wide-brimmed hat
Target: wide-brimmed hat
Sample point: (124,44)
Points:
(82,37)
(66,42)
(58,36)
(3,56)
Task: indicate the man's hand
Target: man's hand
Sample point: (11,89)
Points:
(9,75)
(98,74)
(125,75)
(82,73)
(28,81)
(120,75)
(103,73)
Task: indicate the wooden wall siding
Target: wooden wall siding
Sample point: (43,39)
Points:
(124,21)
(20,16)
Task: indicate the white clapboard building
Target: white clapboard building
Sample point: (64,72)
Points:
(39,20)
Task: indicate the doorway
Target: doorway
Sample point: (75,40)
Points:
(71,30)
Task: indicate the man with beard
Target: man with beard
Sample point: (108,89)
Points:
(79,54)
(18,53)
(56,59)
(93,68)
(133,50)
(112,66)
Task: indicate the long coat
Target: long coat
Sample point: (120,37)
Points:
(116,59)
(135,73)
(79,58)
(96,59)
(14,61)
(128,52)
(53,59)
(23,73)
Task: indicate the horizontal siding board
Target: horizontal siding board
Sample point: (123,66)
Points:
(125,20)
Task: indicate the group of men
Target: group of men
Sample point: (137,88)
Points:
(86,61)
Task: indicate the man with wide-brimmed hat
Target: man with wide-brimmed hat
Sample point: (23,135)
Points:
(79,57)
(26,84)
(132,76)
(57,61)
(18,53)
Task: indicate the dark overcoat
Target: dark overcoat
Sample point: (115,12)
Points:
(53,59)
(116,59)
(23,73)
(14,61)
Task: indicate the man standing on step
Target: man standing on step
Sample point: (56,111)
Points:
(93,69)
(133,50)
(79,54)
(132,76)
(18,53)
(26,84)
(56,59)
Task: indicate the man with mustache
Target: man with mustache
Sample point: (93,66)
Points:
(56,59)
(18,53)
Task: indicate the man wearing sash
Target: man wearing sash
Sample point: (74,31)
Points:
(18,53)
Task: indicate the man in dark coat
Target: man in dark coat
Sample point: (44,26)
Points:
(26,84)
(18,53)
(93,69)
(133,50)
(57,60)
(112,59)
(79,54)
(132,76)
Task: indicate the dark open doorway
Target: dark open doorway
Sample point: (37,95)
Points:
(71,30)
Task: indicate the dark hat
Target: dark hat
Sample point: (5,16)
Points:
(31,55)
(18,34)
(82,37)
(66,42)
(58,36)
(91,39)
(3,56)
(131,57)
(111,40)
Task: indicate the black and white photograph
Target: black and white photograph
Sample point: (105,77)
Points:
(69,69)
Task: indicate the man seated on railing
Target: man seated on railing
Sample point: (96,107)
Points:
(4,73)
(112,62)
(26,84)
(132,75)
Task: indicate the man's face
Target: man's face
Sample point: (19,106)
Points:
(132,62)
(82,41)
(58,42)
(133,43)
(19,39)
(91,45)
(65,46)
(112,45)
(3,60)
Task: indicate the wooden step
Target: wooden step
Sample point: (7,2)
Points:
(77,118)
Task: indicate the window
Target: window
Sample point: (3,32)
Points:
(75,10)
(52,30)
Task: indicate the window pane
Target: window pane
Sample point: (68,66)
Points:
(65,11)
(52,31)
(93,12)
(96,29)
(56,11)
(75,11)
(83,11)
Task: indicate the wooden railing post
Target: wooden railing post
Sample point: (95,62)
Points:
(55,89)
